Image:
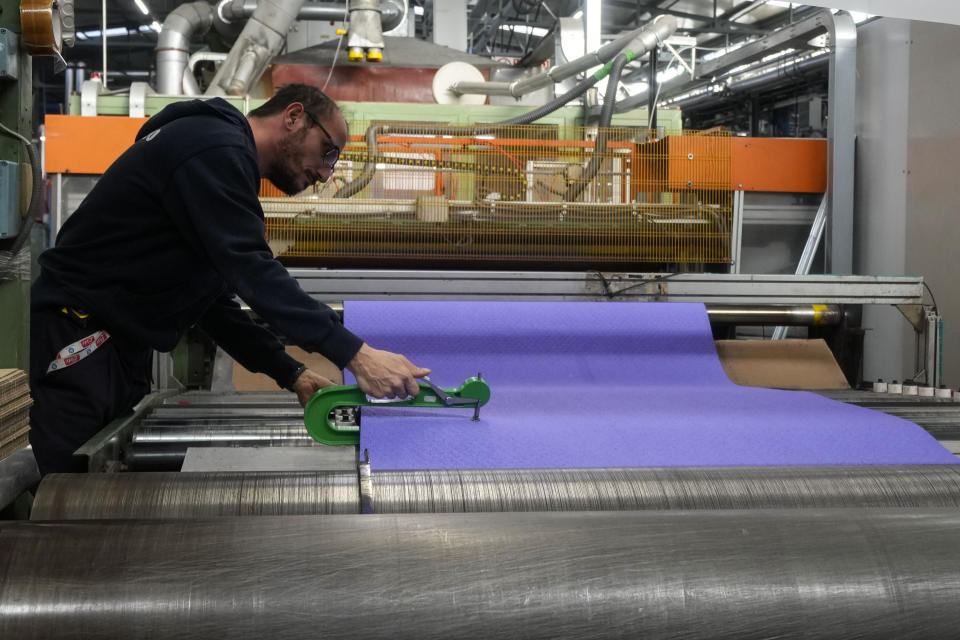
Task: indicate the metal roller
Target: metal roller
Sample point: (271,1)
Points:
(275,434)
(665,488)
(67,496)
(805,315)
(743,575)
(195,495)
(154,458)
(170,456)
(163,447)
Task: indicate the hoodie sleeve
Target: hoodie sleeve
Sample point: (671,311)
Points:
(212,198)
(247,342)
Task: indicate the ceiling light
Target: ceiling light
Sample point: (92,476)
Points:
(111,33)
(143,7)
(525,29)
(156,26)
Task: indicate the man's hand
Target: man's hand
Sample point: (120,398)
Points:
(383,374)
(309,383)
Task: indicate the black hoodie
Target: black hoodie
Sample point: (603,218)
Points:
(171,232)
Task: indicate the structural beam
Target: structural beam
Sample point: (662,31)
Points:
(330,285)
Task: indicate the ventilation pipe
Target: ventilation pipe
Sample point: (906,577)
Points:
(642,39)
(173,43)
(365,34)
(232,14)
(261,39)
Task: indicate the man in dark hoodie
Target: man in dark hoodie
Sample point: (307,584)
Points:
(170,233)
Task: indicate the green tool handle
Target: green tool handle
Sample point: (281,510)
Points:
(316,416)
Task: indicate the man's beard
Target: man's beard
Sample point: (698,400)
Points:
(284,173)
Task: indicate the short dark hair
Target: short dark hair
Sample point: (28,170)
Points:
(313,100)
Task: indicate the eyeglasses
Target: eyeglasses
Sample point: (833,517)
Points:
(333,153)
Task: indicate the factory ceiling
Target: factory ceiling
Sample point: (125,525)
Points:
(497,28)
(523,30)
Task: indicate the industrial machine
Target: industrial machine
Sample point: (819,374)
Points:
(451,202)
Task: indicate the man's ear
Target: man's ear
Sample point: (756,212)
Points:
(292,114)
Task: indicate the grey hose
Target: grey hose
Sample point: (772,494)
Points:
(576,189)
(370,167)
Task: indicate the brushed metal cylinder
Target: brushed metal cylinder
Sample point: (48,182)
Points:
(175,495)
(741,575)
(799,315)
(690,488)
(274,433)
(195,495)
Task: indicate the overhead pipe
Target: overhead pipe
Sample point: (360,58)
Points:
(261,39)
(232,14)
(233,10)
(752,83)
(228,19)
(173,43)
(641,40)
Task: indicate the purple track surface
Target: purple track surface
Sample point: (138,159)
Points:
(604,385)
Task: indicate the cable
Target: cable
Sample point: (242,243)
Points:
(575,190)
(35,195)
(610,293)
(656,96)
(336,54)
(373,131)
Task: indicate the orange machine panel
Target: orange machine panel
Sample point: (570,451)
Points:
(795,165)
(87,144)
(692,162)
(680,163)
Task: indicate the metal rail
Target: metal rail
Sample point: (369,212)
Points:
(329,285)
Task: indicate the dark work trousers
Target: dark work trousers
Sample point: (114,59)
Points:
(72,403)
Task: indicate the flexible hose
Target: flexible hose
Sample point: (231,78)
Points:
(370,167)
(576,189)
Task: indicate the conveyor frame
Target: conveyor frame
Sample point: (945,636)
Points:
(904,292)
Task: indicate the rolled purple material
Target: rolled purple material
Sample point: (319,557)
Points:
(583,384)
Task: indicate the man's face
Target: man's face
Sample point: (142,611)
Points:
(307,153)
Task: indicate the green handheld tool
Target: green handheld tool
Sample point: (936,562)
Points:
(320,414)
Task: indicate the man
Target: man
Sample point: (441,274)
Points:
(165,239)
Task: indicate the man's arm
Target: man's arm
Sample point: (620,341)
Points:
(213,200)
(259,350)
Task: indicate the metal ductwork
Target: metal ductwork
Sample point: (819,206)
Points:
(232,14)
(366,34)
(639,40)
(392,13)
(261,27)
(173,43)
(778,73)
(261,39)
